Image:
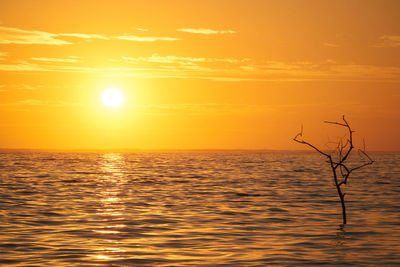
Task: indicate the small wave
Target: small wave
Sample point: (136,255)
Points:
(304,170)
(286,175)
(48,222)
(362,234)
(172,244)
(150,262)
(50,213)
(7,261)
(13,245)
(382,182)
(329,201)
(277,220)
(277,210)
(248,195)
(43,176)
(71,181)
(158,221)
(306,244)
(83,172)
(235,213)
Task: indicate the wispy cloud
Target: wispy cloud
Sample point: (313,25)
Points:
(155,58)
(146,38)
(389,41)
(84,36)
(21,66)
(206,31)
(10,35)
(3,55)
(331,45)
(328,70)
(164,59)
(24,86)
(224,69)
(142,29)
(47,59)
(39,103)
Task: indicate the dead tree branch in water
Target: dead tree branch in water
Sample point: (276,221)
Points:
(337,159)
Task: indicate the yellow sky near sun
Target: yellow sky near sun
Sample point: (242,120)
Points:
(197,74)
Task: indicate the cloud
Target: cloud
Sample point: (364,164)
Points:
(142,29)
(331,45)
(219,69)
(26,87)
(84,36)
(360,72)
(21,66)
(39,103)
(29,102)
(389,41)
(328,70)
(3,55)
(41,66)
(146,38)
(45,59)
(19,87)
(10,35)
(164,59)
(206,31)
(155,58)
(188,65)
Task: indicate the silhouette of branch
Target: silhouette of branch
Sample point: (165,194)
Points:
(342,152)
(307,143)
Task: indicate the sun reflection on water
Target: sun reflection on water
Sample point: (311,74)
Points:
(111,207)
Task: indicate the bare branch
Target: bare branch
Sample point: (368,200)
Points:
(334,122)
(342,152)
(365,154)
(307,143)
(363,144)
(361,166)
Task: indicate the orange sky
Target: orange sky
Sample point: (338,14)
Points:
(220,74)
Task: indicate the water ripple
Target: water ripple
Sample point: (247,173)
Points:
(212,209)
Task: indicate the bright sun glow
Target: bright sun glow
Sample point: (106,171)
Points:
(113,98)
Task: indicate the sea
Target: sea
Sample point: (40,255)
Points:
(230,208)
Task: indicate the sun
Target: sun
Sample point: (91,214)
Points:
(113,97)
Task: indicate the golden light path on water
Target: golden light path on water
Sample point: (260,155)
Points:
(115,235)
(111,207)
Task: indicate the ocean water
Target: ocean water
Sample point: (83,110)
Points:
(188,209)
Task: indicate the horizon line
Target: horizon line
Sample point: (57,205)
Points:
(168,150)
